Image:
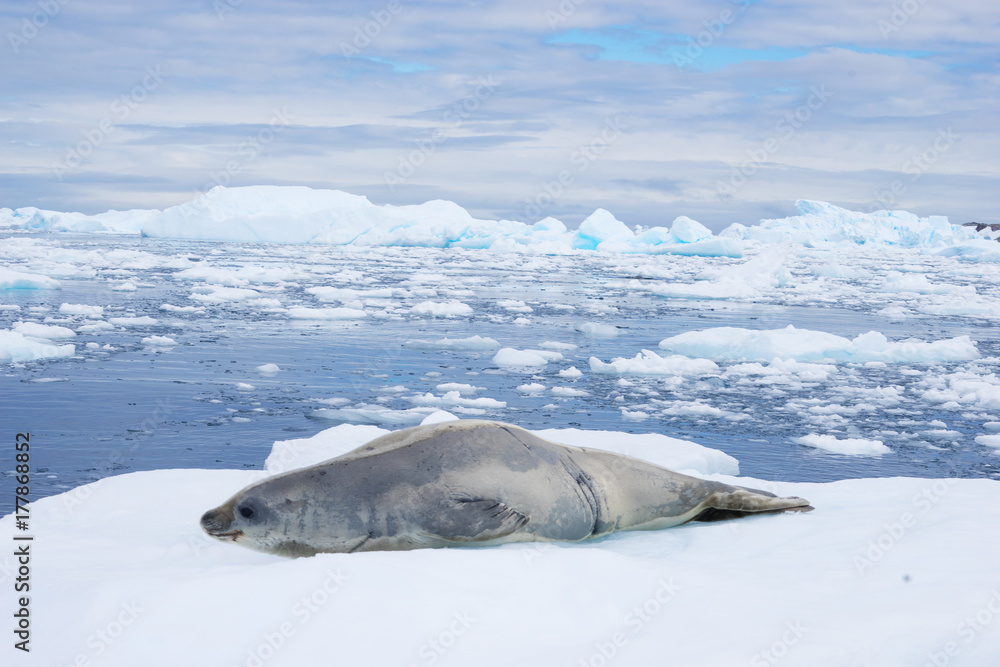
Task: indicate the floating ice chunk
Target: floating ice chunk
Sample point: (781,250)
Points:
(170,308)
(598,330)
(746,281)
(572,372)
(918,283)
(454,399)
(95,327)
(221,294)
(44,331)
(459,387)
(509,356)
(847,446)
(977,250)
(569,392)
(805,372)
(304,313)
(895,313)
(472,344)
(442,309)
(833,270)
(328,293)
(992,427)
(967,305)
(141,321)
(515,306)
(239,277)
(634,415)
(16,347)
(738,344)
(648,362)
(267,369)
(365,413)
(18,280)
(989,441)
(159,341)
(81,309)
(941,434)
(531,388)
(557,346)
(692,409)
(964,389)
(125,287)
(245,386)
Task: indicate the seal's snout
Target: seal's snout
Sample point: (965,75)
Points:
(217,522)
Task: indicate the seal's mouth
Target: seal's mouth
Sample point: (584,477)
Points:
(218,524)
(231,535)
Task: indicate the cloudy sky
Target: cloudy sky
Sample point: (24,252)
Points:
(720,110)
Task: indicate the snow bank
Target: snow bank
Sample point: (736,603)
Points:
(123,575)
(738,344)
(819,223)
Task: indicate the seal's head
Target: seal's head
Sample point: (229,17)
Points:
(251,521)
(219,523)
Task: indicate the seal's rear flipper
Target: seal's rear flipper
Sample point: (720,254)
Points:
(714,514)
(742,502)
(469,520)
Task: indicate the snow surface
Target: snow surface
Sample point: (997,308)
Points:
(123,575)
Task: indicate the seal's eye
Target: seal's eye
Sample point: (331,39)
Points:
(246,511)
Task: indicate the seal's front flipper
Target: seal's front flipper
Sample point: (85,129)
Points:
(469,520)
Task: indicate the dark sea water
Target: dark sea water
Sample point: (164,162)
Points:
(201,403)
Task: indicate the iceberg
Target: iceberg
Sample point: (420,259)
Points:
(301,215)
(293,214)
(819,223)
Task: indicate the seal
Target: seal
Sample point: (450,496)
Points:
(470,482)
